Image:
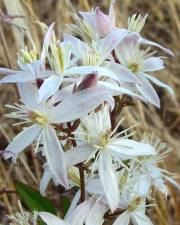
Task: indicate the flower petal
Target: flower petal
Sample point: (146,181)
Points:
(148,92)
(85,70)
(78,105)
(49,87)
(21,141)
(123,219)
(159,83)
(29,94)
(55,156)
(78,154)
(78,46)
(46,43)
(122,72)
(96,213)
(147,42)
(47,176)
(51,219)
(139,218)
(79,215)
(153,64)
(6,71)
(17,78)
(109,179)
(128,147)
(111,41)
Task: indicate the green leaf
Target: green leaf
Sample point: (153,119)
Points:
(33,199)
(65,204)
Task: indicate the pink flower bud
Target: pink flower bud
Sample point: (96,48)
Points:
(104,24)
(88,82)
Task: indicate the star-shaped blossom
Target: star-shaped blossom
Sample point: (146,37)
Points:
(41,118)
(105,148)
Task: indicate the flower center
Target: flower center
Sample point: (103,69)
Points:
(134,67)
(104,140)
(134,204)
(27,56)
(91,58)
(38,118)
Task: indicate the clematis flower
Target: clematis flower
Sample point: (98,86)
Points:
(23,217)
(106,149)
(32,67)
(91,57)
(149,166)
(141,62)
(104,24)
(43,116)
(89,212)
(134,210)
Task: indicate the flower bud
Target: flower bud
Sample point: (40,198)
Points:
(88,82)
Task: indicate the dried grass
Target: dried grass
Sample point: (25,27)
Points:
(163,25)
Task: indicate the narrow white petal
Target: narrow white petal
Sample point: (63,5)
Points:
(153,64)
(139,218)
(78,105)
(96,213)
(78,154)
(29,94)
(94,186)
(84,70)
(21,141)
(46,42)
(148,92)
(109,179)
(49,87)
(147,42)
(122,72)
(79,215)
(117,90)
(6,71)
(111,40)
(123,219)
(51,219)
(55,155)
(78,46)
(159,83)
(73,205)
(128,147)
(47,176)
(17,78)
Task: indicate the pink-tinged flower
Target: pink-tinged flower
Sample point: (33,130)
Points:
(105,24)
(94,58)
(102,23)
(32,67)
(41,118)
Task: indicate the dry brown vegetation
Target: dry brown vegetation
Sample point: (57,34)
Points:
(163,25)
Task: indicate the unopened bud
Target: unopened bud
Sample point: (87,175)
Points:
(88,82)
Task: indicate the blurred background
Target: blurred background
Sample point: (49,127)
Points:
(163,26)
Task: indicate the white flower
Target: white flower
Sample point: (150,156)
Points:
(23,217)
(89,212)
(105,24)
(148,166)
(32,67)
(106,149)
(43,116)
(141,62)
(134,211)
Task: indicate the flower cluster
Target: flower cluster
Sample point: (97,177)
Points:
(66,102)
